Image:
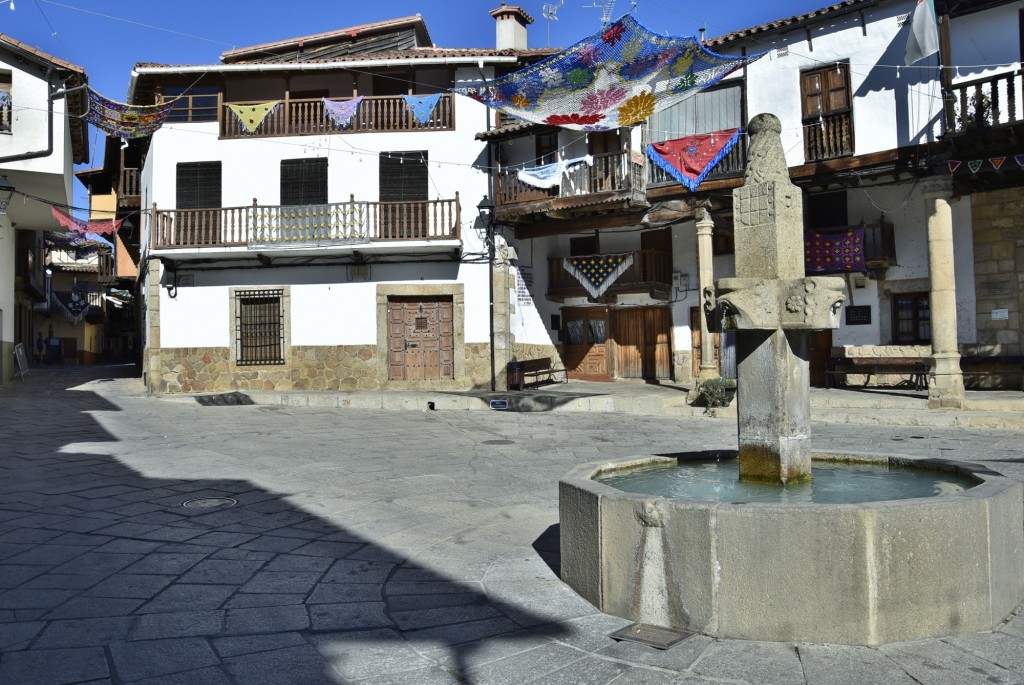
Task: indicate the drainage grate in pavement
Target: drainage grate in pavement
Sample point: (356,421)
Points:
(652,636)
(499,442)
(210,503)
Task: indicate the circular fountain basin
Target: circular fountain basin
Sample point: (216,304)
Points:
(868,573)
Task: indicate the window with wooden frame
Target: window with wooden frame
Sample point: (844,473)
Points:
(547,148)
(827,108)
(259,327)
(198,202)
(911,319)
(304,181)
(191,103)
(6,103)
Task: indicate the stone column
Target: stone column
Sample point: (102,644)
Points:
(946,388)
(705,268)
(502,316)
(151,352)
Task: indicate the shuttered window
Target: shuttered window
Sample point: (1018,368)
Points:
(403,176)
(259,327)
(304,181)
(198,185)
(827,108)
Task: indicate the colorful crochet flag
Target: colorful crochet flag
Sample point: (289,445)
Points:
(598,272)
(125,121)
(832,252)
(83,227)
(975,165)
(997,162)
(1020,160)
(690,159)
(953,164)
(251,116)
(617,77)
(422,106)
(341,113)
(550,175)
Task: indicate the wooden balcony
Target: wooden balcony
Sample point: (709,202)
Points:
(986,103)
(129,188)
(828,137)
(306,117)
(321,225)
(613,178)
(650,272)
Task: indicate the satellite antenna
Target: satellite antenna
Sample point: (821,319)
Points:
(549,14)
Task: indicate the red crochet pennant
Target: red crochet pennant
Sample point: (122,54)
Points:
(73,224)
(690,159)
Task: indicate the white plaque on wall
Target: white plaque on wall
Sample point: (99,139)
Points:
(1000,314)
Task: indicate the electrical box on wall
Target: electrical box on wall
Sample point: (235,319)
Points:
(681,281)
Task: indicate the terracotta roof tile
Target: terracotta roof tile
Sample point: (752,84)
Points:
(845,6)
(56,61)
(350,32)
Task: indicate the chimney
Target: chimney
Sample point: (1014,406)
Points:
(510,28)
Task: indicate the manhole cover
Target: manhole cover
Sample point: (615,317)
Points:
(210,503)
(652,636)
(499,442)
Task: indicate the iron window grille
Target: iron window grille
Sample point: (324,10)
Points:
(259,327)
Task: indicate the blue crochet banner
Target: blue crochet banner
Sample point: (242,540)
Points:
(422,106)
(617,77)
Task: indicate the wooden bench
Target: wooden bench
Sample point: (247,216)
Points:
(915,367)
(519,371)
(993,367)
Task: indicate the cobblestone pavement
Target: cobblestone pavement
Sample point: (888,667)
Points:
(397,547)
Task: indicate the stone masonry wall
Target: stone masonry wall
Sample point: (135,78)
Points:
(998,221)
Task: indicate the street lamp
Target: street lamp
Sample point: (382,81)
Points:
(486,211)
(6,193)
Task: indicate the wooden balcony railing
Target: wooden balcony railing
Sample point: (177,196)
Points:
(650,270)
(610,172)
(375,114)
(828,137)
(733,164)
(987,102)
(306,225)
(129,186)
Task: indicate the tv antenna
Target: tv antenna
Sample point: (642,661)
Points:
(549,12)
(607,7)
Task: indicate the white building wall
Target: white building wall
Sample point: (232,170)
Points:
(29,124)
(985,43)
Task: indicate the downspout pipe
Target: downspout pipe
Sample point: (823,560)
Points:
(53,96)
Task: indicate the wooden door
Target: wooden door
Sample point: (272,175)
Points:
(819,351)
(660,239)
(643,343)
(587,343)
(420,339)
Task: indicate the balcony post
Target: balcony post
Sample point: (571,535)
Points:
(705,263)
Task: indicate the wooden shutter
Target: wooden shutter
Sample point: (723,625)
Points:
(810,92)
(304,181)
(403,177)
(838,96)
(198,185)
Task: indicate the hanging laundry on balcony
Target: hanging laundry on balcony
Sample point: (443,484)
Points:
(422,106)
(598,272)
(251,116)
(838,251)
(83,227)
(690,159)
(125,121)
(550,175)
(617,77)
(341,113)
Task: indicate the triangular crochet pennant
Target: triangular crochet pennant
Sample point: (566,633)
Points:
(1020,160)
(954,164)
(997,162)
(974,165)
(125,121)
(341,113)
(422,106)
(690,159)
(83,227)
(251,116)
(598,272)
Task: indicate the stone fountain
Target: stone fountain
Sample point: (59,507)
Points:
(868,573)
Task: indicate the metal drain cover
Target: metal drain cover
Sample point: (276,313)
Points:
(210,503)
(499,442)
(652,636)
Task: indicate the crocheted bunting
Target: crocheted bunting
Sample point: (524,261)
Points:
(975,165)
(690,159)
(832,252)
(1020,160)
(125,121)
(550,175)
(422,106)
(83,227)
(617,77)
(598,272)
(953,165)
(997,162)
(251,116)
(341,113)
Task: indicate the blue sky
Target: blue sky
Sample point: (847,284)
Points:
(108,37)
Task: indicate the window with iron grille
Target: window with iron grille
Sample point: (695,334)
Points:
(259,327)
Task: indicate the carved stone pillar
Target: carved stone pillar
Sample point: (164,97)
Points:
(946,388)
(706,275)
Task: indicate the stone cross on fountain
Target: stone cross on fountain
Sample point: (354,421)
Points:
(771,306)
